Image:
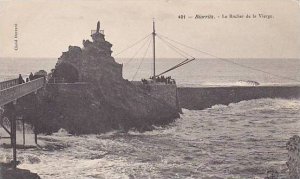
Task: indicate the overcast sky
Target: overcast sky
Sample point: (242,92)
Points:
(47,28)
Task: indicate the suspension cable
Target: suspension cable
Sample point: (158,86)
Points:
(137,42)
(137,51)
(142,60)
(173,46)
(178,51)
(174,49)
(229,61)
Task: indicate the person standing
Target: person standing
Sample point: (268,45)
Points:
(31,76)
(21,80)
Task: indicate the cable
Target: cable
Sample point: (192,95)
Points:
(137,52)
(174,46)
(141,60)
(180,52)
(132,45)
(229,61)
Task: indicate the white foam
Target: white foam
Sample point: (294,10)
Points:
(240,140)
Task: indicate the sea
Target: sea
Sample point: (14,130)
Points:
(240,140)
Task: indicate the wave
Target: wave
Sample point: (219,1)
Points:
(239,140)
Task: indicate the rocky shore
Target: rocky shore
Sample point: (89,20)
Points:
(7,172)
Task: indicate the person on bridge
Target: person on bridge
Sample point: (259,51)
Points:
(21,80)
(31,76)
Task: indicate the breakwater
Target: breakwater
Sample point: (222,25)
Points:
(161,92)
(205,97)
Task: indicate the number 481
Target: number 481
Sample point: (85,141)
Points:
(181,16)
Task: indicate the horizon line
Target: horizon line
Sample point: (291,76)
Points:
(176,57)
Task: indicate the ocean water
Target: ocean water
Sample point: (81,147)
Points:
(239,140)
(202,72)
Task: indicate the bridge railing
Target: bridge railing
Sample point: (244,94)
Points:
(8,83)
(13,93)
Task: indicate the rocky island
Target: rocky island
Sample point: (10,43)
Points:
(86,93)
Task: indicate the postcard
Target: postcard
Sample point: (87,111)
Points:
(149,89)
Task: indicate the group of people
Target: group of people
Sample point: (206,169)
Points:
(21,80)
(160,79)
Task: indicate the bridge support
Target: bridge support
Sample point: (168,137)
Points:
(14,144)
(35,135)
(13,131)
(14,134)
(23,124)
(10,91)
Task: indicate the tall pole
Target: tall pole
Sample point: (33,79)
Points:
(23,122)
(13,133)
(153,34)
(14,144)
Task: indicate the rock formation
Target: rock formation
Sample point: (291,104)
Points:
(86,93)
(10,173)
(293,163)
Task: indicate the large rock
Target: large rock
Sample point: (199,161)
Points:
(97,98)
(10,173)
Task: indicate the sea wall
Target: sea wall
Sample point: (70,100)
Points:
(162,92)
(205,97)
(83,108)
(68,87)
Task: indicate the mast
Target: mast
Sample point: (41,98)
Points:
(153,34)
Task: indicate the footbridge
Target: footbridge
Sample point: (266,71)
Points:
(10,92)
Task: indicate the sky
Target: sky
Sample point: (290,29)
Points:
(47,28)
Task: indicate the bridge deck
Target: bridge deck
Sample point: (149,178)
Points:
(10,90)
(8,83)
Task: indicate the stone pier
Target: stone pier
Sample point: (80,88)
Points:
(197,98)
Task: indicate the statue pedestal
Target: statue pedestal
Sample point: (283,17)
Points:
(98,37)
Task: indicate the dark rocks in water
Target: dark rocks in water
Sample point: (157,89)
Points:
(272,174)
(6,172)
(93,97)
(293,163)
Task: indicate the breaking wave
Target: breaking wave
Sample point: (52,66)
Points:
(241,140)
